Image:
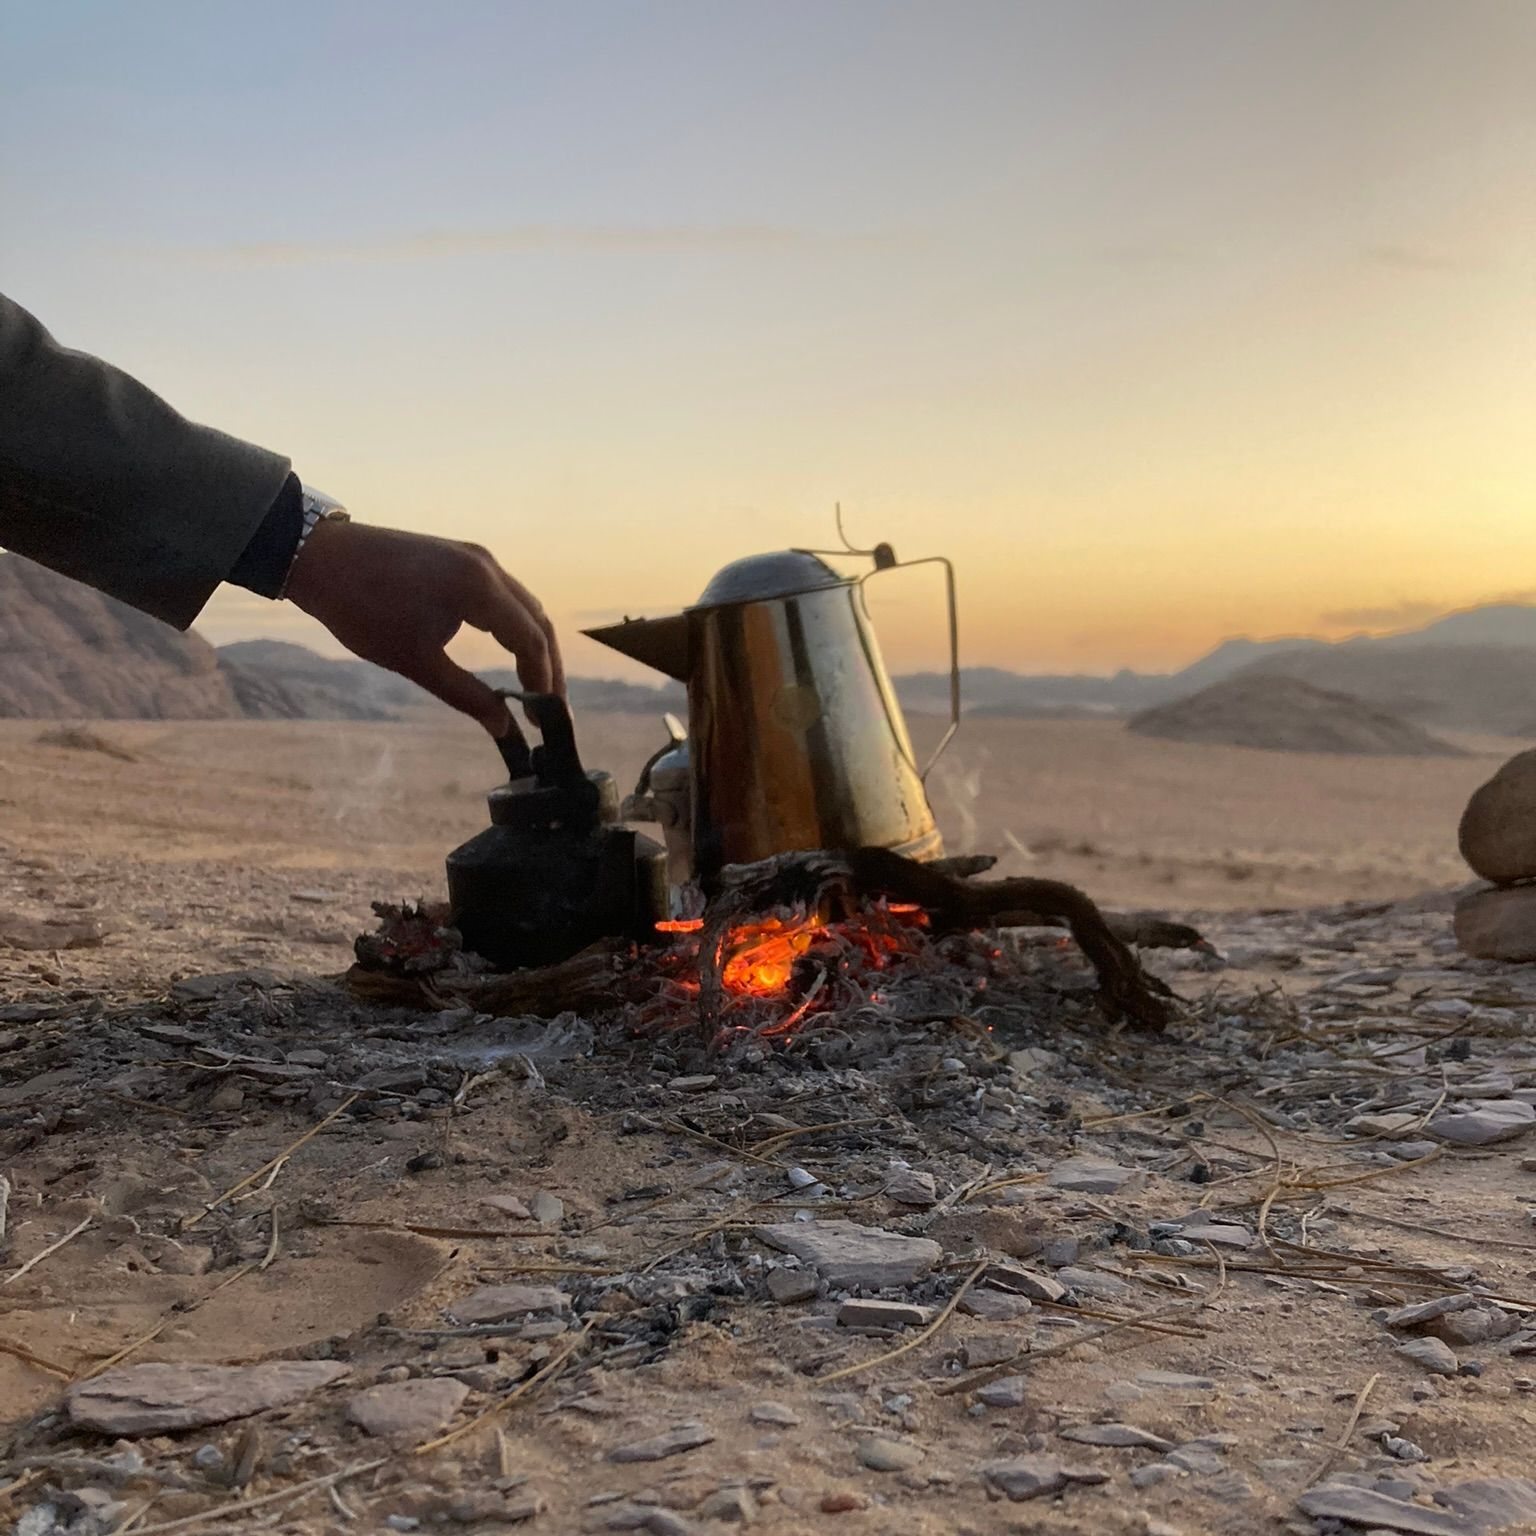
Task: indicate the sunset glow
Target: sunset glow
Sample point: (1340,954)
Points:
(1166,323)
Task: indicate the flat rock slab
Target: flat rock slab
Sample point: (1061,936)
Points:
(1481,1124)
(1031,1477)
(1434,1355)
(1223,1234)
(1175,1381)
(1417,1313)
(408,1409)
(501,1303)
(147,1399)
(1023,1282)
(846,1254)
(1364,1506)
(870,1313)
(686,1437)
(1492,1502)
(1095,1176)
(1120,1436)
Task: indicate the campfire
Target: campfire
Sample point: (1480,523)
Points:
(781,945)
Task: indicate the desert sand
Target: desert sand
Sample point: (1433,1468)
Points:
(154,1127)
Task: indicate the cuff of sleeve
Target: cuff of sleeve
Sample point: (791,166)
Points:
(263,565)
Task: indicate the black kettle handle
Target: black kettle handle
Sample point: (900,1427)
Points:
(555,762)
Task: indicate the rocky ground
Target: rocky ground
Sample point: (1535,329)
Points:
(958,1257)
(970,1260)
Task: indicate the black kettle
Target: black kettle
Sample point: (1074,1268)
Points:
(554,872)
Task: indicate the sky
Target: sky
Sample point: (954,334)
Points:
(1165,321)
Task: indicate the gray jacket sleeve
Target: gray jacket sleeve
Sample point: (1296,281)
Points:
(101,480)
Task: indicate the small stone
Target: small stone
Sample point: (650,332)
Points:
(1150,1477)
(842,1502)
(882,1455)
(1223,1234)
(859,1313)
(1032,1059)
(1095,1176)
(1433,1355)
(508,1205)
(1093,1283)
(547,1209)
(1120,1436)
(147,1399)
(1028,1477)
(227,1098)
(1023,1282)
(984,1349)
(733,1506)
(776,1414)
(502,1303)
(686,1437)
(908,1186)
(1403,1450)
(790,1285)
(412,1410)
(695,1084)
(1196,1458)
(1383,1126)
(1417,1313)
(1175,1380)
(208,1458)
(1007,1392)
(1475,1325)
(1485,1122)
(848,1255)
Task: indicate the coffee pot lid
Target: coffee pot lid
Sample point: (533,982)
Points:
(758,578)
(663,643)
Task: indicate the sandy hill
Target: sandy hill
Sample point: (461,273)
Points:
(1283,714)
(1446,686)
(65,650)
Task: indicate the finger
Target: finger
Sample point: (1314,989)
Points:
(546,627)
(516,628)
(463,690)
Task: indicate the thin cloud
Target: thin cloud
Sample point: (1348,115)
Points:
(511,240)
(1413,258)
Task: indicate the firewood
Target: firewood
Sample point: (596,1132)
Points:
(838,883)
(1125,989)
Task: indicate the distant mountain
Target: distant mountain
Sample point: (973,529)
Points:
(67,651)
(1508,625)
(276,679)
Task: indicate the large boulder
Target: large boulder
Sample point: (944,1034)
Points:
(1498,924)
(1498,828)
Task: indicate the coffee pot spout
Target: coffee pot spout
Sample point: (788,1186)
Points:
(658,643)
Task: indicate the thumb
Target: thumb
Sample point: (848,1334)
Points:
(463,690)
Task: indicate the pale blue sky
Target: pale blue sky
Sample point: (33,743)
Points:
(1165,319)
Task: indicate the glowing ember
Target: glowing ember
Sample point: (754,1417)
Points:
(796,957)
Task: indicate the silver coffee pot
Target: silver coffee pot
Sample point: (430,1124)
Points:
(795,738)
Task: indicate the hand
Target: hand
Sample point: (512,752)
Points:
(397,599)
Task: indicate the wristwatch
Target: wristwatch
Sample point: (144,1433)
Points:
(318,508)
